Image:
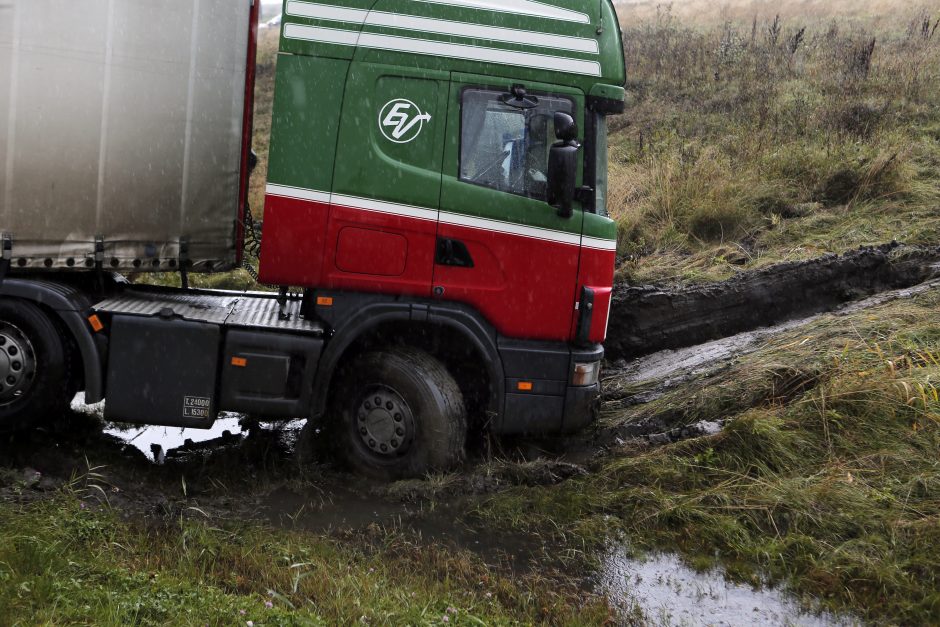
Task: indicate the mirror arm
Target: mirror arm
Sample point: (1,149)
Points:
(584,194)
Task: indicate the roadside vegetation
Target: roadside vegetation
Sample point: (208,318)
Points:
(749,139)
(762,132)
(72,559)
(825,477)
(758,133)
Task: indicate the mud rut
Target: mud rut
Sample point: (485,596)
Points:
(661,337)
(648,319)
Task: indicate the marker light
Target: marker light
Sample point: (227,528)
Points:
(96,323)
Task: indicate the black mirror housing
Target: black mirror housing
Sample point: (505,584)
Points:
(562,177)
(566,129)
(563,165)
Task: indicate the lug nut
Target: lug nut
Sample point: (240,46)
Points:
(13,351)
(394,443)
(16,365)
(3,340)
(368,405)
(398,418)
(363,431)
(389,406)
(11,380)
(378,401)
(384,448)
(372,443)
(400,432)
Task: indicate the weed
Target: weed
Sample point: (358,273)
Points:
(739,121)
(825,478)
(61,563)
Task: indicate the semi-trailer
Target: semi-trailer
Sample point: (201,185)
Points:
(435,217)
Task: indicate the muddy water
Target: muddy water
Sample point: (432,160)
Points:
(674,367)
(669,593)
(652,318)
(665,591)
(145,438)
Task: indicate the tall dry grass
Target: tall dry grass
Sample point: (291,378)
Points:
(709,11)
(739,130)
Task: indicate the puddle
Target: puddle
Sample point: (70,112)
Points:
(669,593)
(144,438)
(696,359)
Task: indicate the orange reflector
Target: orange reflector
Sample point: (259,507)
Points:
(525,386)
(325,301)
(96,323)
(239,362)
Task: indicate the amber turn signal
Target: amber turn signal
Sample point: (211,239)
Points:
(96,323)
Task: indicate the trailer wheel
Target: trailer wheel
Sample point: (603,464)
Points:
(399,414)
(33,369)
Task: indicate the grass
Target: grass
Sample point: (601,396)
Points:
(752,137)
(67,561)
(748,140)
(755,132)
(825,478)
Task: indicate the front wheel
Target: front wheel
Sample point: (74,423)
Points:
(33,366)
(398,413)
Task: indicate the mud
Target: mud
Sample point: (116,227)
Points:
(245,471)
(649,319)
(631,385)
(665,370)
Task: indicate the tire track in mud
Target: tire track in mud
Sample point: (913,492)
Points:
(648,319)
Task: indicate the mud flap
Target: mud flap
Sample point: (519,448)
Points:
(163,372)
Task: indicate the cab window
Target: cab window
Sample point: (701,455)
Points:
(505,147)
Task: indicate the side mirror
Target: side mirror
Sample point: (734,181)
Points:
(563,165)
(566,129)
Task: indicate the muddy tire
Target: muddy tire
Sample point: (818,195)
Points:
(34,373)
(398,414)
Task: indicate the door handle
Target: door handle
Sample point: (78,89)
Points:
(453,253)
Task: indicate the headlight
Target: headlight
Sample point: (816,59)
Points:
(586,374)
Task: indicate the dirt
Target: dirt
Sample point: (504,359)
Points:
(649,319)
(252,478)
(245,471)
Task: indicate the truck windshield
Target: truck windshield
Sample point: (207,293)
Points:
(600,145)
(507,148)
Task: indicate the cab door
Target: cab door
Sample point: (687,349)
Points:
(387,183)
(501,247)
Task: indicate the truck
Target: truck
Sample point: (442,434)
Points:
(435,228)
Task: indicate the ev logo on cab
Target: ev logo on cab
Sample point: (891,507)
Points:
(401,121)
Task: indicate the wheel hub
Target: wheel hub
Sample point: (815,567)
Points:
(384,422)
(17,363)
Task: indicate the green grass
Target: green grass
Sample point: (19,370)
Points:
(66,561)
(737,151)
(826,477)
